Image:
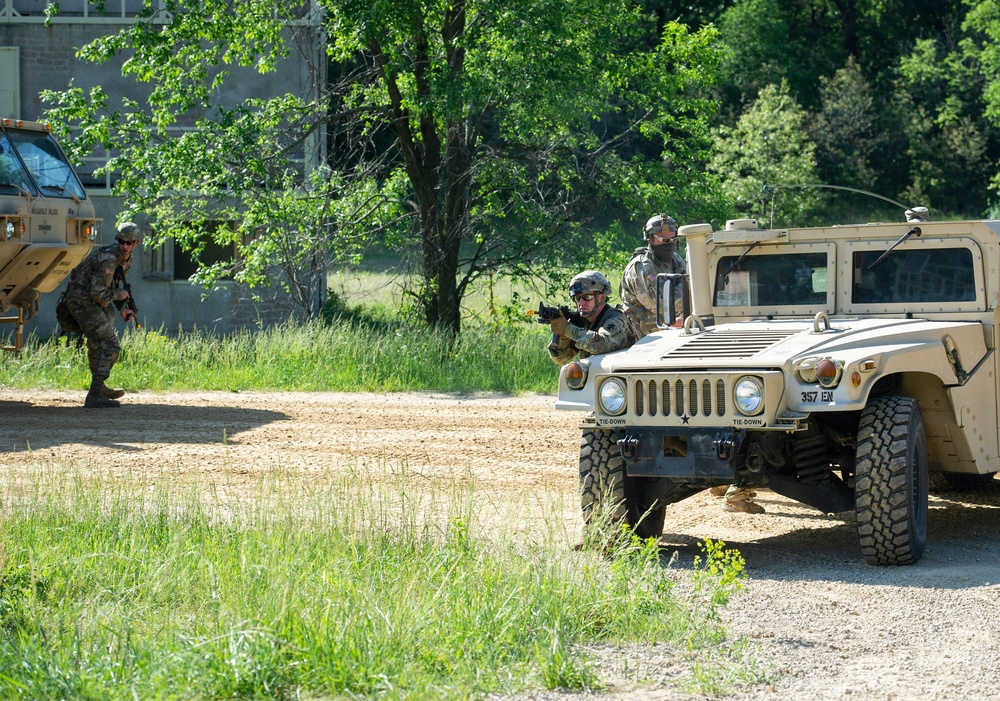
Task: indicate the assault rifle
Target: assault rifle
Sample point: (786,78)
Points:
(129,302)
(547,314)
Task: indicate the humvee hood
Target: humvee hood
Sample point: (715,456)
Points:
(763,344)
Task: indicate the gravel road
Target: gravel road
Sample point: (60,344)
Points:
(820,622)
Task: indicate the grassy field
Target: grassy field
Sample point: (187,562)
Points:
(347,356)
(366,347)
(332,589)
(379,290)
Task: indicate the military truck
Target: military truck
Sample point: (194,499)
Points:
(47,223)
(839,366)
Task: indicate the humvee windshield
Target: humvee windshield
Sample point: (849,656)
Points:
(46,163)
(926,275)
(774,280)
(13,177)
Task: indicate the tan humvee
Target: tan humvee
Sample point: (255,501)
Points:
(834,365)
(47,223)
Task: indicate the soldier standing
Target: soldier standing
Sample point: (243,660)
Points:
(638,287)
(605,330)
(90,298)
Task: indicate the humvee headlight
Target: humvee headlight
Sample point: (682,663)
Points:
(748,396)
(828,373)
(612,396)
(9,229)
(576,375)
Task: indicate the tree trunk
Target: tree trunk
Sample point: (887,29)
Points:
(317,284)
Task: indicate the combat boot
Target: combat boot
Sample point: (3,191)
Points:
(741,499)
(745,506)
(98,401)
(96,398)
(109,393)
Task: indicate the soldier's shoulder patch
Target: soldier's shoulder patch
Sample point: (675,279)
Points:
(109,271)
(615,323)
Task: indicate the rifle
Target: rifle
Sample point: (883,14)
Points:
(547,314)
(129,302)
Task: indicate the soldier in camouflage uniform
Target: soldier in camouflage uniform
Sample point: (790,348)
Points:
(605,329)
(638,286)
(90,298)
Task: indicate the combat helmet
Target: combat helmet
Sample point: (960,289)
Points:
(128,232)
(665,226)
(589,281)
(659,225)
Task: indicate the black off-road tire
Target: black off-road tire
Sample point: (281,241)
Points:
(890,487)
(607,494)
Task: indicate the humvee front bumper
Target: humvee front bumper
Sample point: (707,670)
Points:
(683,453)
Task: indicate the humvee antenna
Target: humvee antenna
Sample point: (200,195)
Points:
(920,212)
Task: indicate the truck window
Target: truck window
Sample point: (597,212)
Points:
(46,163)
(13,178)
(907,276)
(779,280)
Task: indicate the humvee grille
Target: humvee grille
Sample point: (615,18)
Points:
(729,344)
(678,396)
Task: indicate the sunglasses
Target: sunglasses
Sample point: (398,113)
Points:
(588,297)
(662,239)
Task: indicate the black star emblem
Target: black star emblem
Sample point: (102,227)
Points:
(685,418)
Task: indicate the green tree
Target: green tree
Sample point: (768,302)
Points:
(484,134)
(940,97)
(845,129)
(770,145)
(760,46)
(980,49)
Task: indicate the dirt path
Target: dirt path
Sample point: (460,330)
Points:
(828,625)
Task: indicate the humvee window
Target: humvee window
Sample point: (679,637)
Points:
(778,280)
(46,163)
(13,178)
(907,276)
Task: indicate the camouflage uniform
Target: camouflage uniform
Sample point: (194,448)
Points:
(609,332)
(89,298)
(638,288)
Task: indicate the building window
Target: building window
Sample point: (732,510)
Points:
(158,261)
(185,265)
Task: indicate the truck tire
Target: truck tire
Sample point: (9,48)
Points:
(890,487)
(605,486)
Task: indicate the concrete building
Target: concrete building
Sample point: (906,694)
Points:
(36,55)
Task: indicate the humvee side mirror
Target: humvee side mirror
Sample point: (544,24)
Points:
(671,287)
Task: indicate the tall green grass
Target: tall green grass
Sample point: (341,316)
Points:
(336,588)
(341,356)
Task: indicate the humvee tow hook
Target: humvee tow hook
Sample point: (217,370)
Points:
(728,445)
(629,448)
